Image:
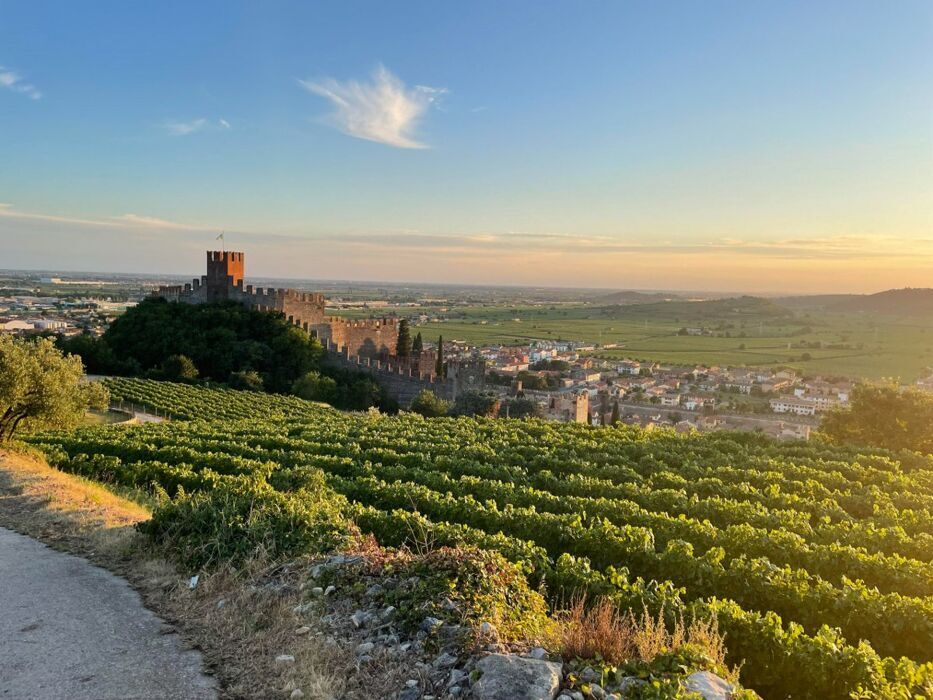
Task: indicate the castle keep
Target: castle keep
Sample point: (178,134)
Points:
(366,345)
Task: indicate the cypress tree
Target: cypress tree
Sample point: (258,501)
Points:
(615,414)
(417,346)
(439,368)
(403,346)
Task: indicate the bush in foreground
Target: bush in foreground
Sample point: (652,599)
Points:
(236,519)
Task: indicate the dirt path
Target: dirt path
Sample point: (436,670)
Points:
(69,629)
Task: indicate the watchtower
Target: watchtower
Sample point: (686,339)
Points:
(224,271)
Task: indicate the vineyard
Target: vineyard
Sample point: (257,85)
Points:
(817,561)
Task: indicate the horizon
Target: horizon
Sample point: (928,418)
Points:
(766,150)
(684,294)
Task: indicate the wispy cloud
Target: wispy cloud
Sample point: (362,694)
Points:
(382,110)
(7,211)
(12,80)
(184,128)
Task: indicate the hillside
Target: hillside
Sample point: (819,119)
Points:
(728,308)
(758,534)
(813,302)
(895,302)
(630,297)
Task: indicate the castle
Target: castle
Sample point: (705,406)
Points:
(367,338)
(364,345)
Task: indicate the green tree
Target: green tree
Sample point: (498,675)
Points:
(315,387)
(179,368)
(614,419)
(521,408)
(417,346)
(428,405)
(245,379)
(42,388)
(883,416)
(476,403)
(440,369)
(404,346)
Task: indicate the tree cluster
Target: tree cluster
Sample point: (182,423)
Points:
(884,416)
(42,388)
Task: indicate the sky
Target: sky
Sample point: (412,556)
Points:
(756,147)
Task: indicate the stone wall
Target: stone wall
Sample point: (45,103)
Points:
(404,381)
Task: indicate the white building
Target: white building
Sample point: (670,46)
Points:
(795,405)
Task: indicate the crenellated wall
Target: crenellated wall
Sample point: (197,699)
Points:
(403,380)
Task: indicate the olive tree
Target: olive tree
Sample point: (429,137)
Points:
(42,388)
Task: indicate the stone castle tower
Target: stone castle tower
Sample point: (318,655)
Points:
(224,271)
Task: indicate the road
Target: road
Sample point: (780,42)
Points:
(69,629)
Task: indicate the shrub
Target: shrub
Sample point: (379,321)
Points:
(246,380)
(483,587)
(314,387)
(238,517)
(179,368)
(476,403)
(428,405)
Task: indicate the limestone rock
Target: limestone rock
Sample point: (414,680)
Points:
(510,677)
(709,685)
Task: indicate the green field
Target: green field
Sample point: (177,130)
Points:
(761,335)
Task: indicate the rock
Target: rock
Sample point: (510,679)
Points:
(564,696)
(510,677)
(296,693)
(284,659)
(709,685)
(388,612)
(445,660)
(590,675)
(329,590)
(456,677)
(431,624)
(487,629)
(411,683)
(317,591)
(365,648)
(404,647)
(628,683)
(597,692)
(374,590)
(316,570)
(448,604)
(359,618)
(302,630)
(410,693)
(576,695)
(538,653)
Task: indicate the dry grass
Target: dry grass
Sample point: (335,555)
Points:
(602,630)
(240,620)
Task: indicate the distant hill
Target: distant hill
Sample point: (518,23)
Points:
(898,302)
(628,297)
(812,302)
(732,307)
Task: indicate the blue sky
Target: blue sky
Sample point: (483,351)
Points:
(748,146)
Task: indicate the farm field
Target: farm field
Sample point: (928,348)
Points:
(817,561)
(855,345)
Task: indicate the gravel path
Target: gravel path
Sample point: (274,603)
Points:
(69,629)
